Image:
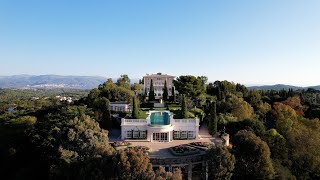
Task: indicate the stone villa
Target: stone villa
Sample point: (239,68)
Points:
(158,83)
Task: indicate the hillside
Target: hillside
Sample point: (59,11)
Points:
(281,86)
(50,81)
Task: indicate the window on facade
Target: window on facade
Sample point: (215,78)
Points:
(156,136)
(143,135)
(183,135)
(160,136)
(129,134)
(190,135)
(176,135)
(136,134)
(164,136)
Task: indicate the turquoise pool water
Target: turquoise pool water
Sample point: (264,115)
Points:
(160,118)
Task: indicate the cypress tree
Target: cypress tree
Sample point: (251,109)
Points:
(106,114)
(165,91)
(151,92)
(145,95)
(135,108)
(219,94)
(173,94)
(184,111)
(213,121)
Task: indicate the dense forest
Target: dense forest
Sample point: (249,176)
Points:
(274,134)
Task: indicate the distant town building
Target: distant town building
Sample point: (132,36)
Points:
(120,107)
(158,83)
(35,98)
(63,98)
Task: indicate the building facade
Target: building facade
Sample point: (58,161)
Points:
(158,83)
(120,107)
(160,126)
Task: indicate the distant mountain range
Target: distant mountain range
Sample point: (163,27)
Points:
(51,81)
(90,82)
(282,86)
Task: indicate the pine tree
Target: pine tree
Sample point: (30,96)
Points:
(252,157)
(151,92)
(221,163)
(184,111)
(213,121)
(135,108)
(165,91)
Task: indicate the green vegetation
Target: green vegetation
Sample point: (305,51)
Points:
(151,92)
(252,157)
(124,81)
(143,114)
(173,94)
(165,91)
(135,108)
(274,134)
(221,163)
(106,114)
(161,174)
(184,111)
(190,86)
(213,121)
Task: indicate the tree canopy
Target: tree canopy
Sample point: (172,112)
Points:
(252,157)
(151,92)
(274,133)
(135,108)
(221,163)
(190,86)
(165,91)
(124,81)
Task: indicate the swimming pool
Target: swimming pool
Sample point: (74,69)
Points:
(160,118)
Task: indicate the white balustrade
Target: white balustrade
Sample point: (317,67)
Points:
(186,121)
(133,121)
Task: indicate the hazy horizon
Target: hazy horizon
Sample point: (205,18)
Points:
(136,79)
(248,42)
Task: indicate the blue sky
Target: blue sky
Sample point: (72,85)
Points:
(247,41)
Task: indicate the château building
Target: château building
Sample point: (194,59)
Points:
(158,83)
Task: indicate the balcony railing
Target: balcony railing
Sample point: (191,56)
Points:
(186,121)
(133,121)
